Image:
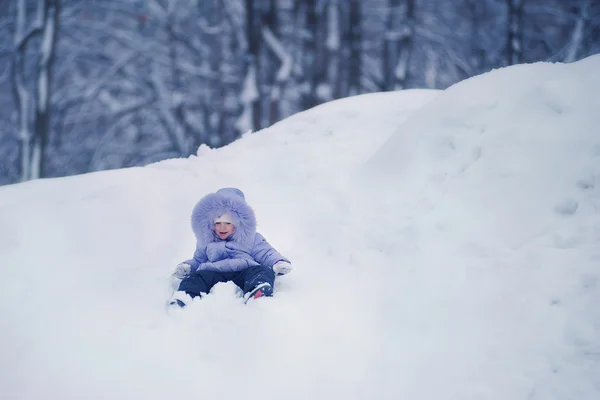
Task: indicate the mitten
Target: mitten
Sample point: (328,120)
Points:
(182,270)
(282,267)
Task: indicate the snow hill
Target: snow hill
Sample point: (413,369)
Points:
(446,245)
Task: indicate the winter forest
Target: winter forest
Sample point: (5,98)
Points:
(103,84)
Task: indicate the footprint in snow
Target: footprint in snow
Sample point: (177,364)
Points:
(566,207)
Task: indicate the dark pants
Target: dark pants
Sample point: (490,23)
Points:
(248,279)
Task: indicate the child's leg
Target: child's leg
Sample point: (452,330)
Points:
(254,276)
(203,281)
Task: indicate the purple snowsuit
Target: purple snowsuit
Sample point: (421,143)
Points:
(245,257)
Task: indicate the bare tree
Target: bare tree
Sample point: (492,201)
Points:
(329,51)
(514,39)
(169,91)
(579,31)
(270,33)
(397,46)
(139,81)
(476,16)
(311,35)
(251,96)
(355,45)
(233,51)
(33,103)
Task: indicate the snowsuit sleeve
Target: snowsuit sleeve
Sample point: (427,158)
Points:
(199,258)
(264,253)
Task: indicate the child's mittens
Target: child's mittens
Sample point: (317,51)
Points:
(182,270)
(282,267)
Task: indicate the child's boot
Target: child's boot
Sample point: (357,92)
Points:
(263,289)
(181,299)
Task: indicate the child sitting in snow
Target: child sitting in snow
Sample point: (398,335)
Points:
(228,248)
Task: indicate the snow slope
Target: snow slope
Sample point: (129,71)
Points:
(447,246)
(493,191)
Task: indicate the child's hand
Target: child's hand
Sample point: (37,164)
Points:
(282,267)
(182,270)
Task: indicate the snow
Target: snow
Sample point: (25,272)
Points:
(249,95)
(285,70)
(47,47)
(445,246)
(324,91)
(577,36)
(333,26)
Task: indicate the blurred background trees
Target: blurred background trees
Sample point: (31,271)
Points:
(100,84)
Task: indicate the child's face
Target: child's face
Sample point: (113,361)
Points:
(223,229)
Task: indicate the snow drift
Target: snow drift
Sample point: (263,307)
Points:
(492,189)
(446,246)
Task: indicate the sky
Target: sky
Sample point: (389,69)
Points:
(445,246)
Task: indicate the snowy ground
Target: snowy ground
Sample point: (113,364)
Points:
(446,245)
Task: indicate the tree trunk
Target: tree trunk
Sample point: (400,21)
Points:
(271,22)
(22,96)
(514,40)
(477,52)
(43,108)
(328,46)
(222,42)
(310,56)
(405,48)
(252,85)
(389,46)
(397,46)
(355,42)
(34,108)
(175,97)
(578,32)
(333,45)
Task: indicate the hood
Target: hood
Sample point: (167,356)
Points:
(213,205)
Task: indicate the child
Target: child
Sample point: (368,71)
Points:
(228,248)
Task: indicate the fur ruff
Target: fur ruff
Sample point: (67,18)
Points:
(214,205)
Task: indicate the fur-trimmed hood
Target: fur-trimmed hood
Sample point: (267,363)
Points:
(213,205)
